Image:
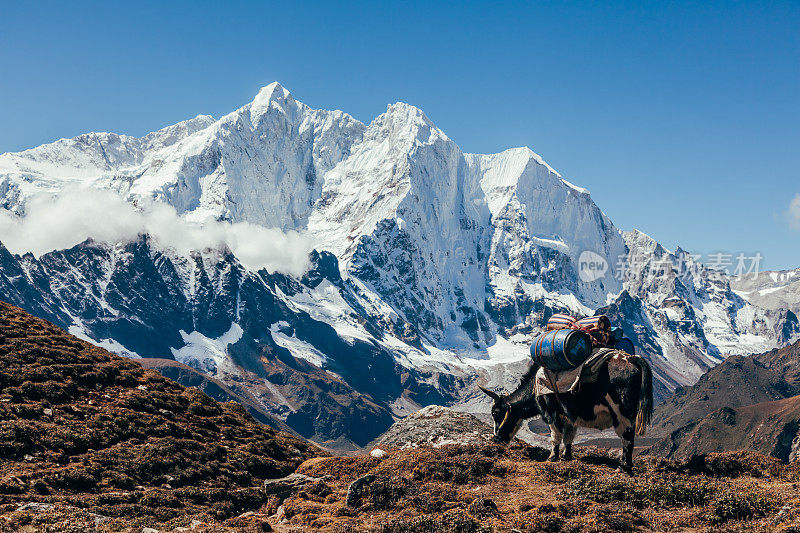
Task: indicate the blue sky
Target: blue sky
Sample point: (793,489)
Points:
(682,119)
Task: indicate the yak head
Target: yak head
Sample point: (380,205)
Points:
(507,419)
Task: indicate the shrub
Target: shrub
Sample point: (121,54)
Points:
(384,492)
(733,464)
(669,491)
(743,505)
(459,469)
(75,479)
(454,521)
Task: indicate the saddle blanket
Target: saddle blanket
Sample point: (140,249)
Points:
(570,380)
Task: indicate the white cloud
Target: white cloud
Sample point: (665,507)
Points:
(793,213)
(55,223)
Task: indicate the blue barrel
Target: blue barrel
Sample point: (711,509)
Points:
(561,349)
(626,345)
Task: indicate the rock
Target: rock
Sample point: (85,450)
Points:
(250,521)
(149,530)
(48,412)
(285,486)
(141,387)
(36,507)
(483,507)
(356,489)
(782,514)
(435,426)
(794,453)
(377,452)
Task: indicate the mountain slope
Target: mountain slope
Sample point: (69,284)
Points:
(209,311)
(434,268)
(743,403)
(770,290)
(771,428)
(738,382)
(484,487)
(213,388)
(83,427)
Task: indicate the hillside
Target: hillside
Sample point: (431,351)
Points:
(488,488)
(191,377)
(785,361)
(83,428)
(743,403)
(737,382)
(771,428)
(92,441)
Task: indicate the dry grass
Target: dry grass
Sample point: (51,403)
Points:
(491,488)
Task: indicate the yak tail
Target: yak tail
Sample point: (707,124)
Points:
(644,411)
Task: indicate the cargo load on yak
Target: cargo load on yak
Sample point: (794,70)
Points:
(569,341)
(572,350)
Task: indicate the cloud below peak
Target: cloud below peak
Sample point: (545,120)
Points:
(59,222)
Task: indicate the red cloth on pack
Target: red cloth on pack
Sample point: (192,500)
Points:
(598,327)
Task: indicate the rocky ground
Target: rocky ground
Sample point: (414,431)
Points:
(434,426)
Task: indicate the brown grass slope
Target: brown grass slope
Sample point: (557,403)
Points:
(490,488)
(737,382)
(82,427)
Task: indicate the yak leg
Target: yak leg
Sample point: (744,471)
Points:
(570,430)
(623,426)
(626,433)
(556,435)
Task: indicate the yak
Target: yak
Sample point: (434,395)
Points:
(621,397)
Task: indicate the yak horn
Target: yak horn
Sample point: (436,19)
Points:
(493,395)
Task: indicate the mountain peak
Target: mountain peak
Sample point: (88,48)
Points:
(274,92)
(408,112)
(409,122)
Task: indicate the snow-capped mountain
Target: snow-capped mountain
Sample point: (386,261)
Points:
(770,290)
(435,267)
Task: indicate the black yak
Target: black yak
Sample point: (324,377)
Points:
(621,397)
